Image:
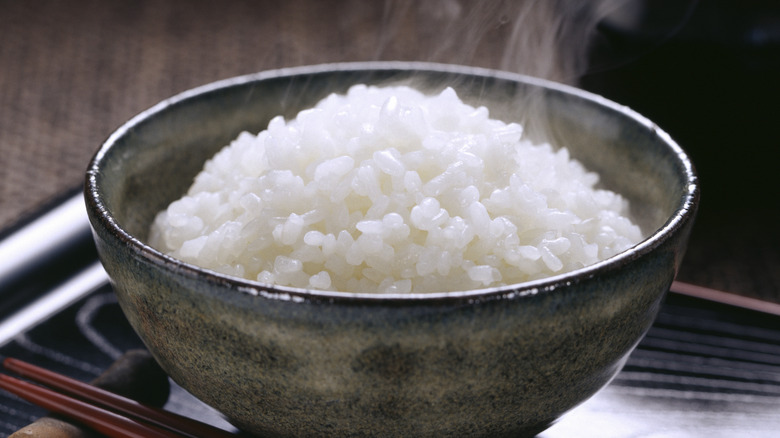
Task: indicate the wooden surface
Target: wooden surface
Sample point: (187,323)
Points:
(71,72)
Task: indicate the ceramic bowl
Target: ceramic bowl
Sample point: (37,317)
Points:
(280,361)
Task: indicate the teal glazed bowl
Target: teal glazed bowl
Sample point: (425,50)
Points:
(280,361)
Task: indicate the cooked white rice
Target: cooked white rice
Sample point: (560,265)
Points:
(389,190)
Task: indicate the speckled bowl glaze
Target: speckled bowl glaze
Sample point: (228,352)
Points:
(289,362)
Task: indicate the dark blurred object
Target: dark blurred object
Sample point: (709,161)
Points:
(136,375)
(708,72)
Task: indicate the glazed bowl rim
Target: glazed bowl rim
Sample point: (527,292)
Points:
(683,213)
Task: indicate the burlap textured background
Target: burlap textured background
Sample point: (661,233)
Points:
(71,72)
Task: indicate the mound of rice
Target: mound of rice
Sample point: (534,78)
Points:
(392,191)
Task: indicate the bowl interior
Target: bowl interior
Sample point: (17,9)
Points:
(153,160)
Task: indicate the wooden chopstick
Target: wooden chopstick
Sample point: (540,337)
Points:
(729,298)
(109,401)
(99,419)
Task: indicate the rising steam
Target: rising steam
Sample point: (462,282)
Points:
(543,38)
